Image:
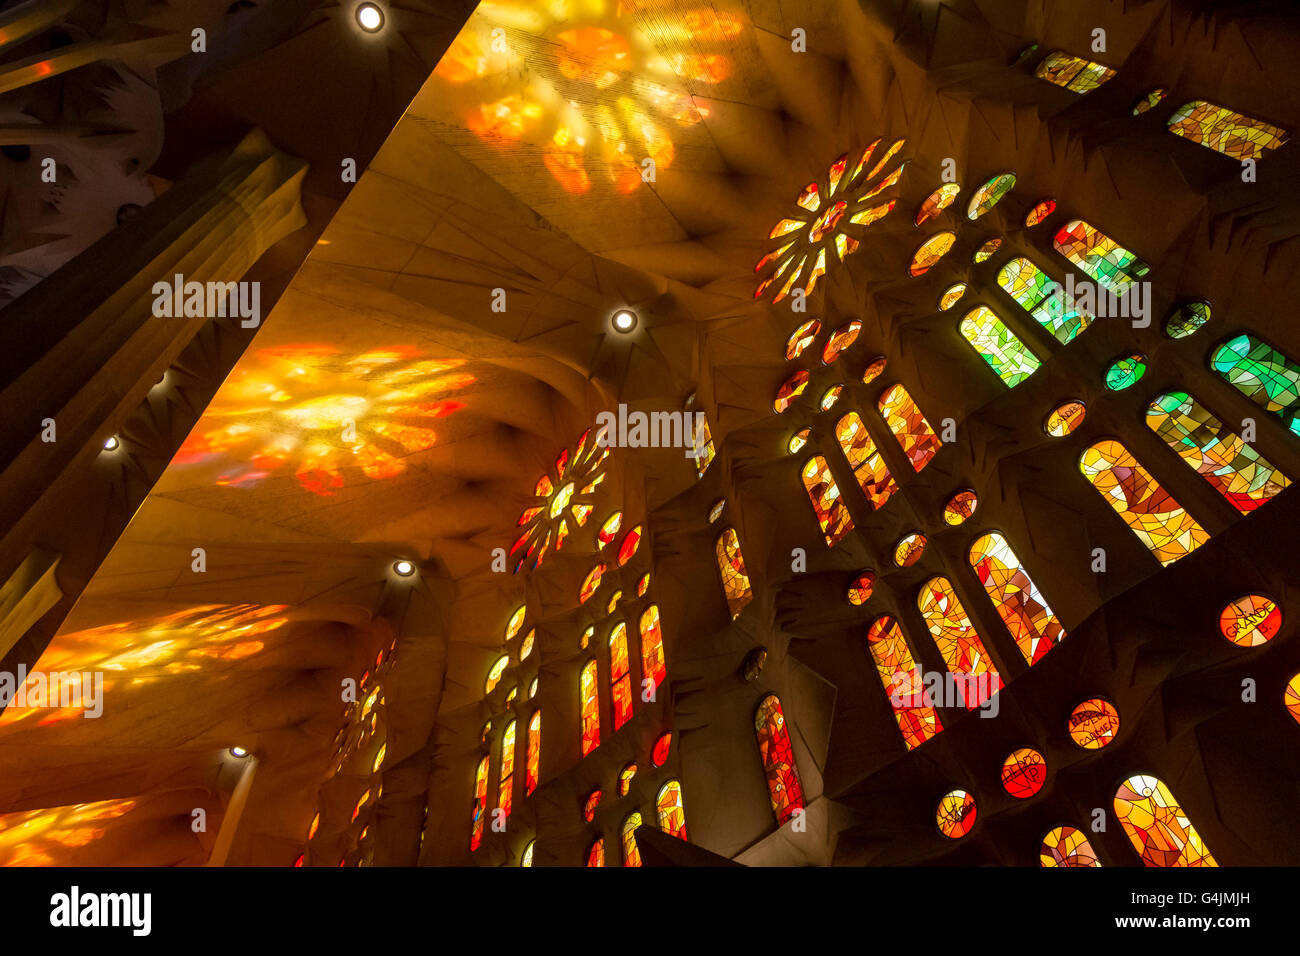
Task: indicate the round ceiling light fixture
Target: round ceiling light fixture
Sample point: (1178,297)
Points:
(624,320)
(111,443)
(238,752)
(403,569)
(370,18)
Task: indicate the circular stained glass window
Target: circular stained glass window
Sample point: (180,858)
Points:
(874,368)
(1023,773)
(798,440)
(956,814)
(960,507)
(1187,319)
(790,389)
(1126,371)
(860,589)
(1251,620)
(909,550)
(1040,212)
(1065,418)
(951,295)
(1094,723)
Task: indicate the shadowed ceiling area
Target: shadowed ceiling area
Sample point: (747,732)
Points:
(446,334)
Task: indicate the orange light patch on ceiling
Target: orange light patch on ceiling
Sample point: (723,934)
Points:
(46,837)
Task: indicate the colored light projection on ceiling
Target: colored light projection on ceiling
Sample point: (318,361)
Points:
(52,837)
(324,415)
(133,654)
(599,85)
(564,501)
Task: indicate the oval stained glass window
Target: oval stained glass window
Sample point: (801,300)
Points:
(798,440)
(908,551)
(951,296)
(860,588)
(1023,773)
(1094,723)
(839,340)
(830,397)
(956,814)
(1067,846)
(801,338)
(625,779)
(930,252)
(1126,371)
(990,194)
(643,584)
(526,645)
(960,507)
(590,804)
(1041,211)
(516,622)
(937,202)
(631,541)
(1065,418)
(661,749)
(1251,620)
(873,370)
(1291,697)
(609,529)
(591,583)
(1149,101)
(494,674)
(985,251)
(1187,319)
(716,511)
(790,389)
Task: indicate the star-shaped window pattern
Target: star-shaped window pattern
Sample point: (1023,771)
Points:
(565,501)
(832,219)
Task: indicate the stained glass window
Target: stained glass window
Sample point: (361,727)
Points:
(613,602)
(774,748)
(620,677)
(526,645)
(1291,697)
(1232,467)
(1187,319)
(596,854)
(631,854)
(1149,102)
(951,296)
(868,466)
(591,583)
(824,494)
(930,252)
(480,804)
(790,389)
(956,814)
(1219,128)
(1041,211)
(590,804)
(860,588)
(937,202)
(563,502)
(659,754)
(985,252)
(652,647)
(625,777)
(1023,773)
(914,711)
(1067,846)
(631,541)
(873,369)
(1263,374)
(1251,620)
(731,564)
(495,672)
(587,635)
(997,345)
(798,440)
(1151,512)
(1157,826)
(839,340)
(702,448)
(1023,609)
(1065,418)
(527,859)
(1072,72)
(672,814)
(516,622)
(1093,723)
(960,507)
(801,338)
(975,677)
(590,708)
(830,397)
(534,763)
(905,420)
(506,789)
(1043,298)
(1099,256)
(715,512)
(909,549)
(990,194)
(1126,371)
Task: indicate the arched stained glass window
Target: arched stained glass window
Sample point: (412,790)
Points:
(1019,603)
(631,853)
(731,565)
(480,804)
(652,647)
(1219,128)
(1235,470)
(974,675)
(774,748)
(590,708)
(824,494)
(905,420)
(1157,826)
(620,676)
(1072,72)
(1155,517)
(506,789)
(997,345)
(1067,846)
(868,467)
(914,711)
(1104,260)
(672,813)
(1263,374)
(1043,298)
(596,854)
(531,771)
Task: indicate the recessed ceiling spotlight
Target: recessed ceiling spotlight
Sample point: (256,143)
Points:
(370,18)
(403,569)
(238,752)
(111,443)
(624,320)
